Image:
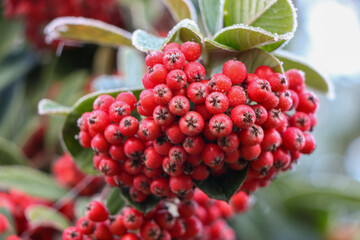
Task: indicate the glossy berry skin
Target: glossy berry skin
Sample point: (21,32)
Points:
(310,144)
(117,226)
(259,90)
(102,231)
(192,123)
(150,230)
(179,105)
(128,126)
(285,101)
(103,102)
(237,96)
(243,116)
(160,187)
(195,72)
(71,233)
(174,59)
(162,94)
(240,202)
(149,129)
(200,172)
(109,167)
(176,79)
(216,103)
(250,152)
(177,154)
(301,120)
(180,184)
(132,218)
(112,134)
(191,50)
(96,211)
(152,159)
(157,74)
(264,71)
(128,98)
(193,144)
(220,125)
(293,139)
(197,92)
(220,83)
(165,219)
(278,82)
(84,139)
(99,143)
(296,80)
(174,133)
(282,158)
(193,227)
(229,143)
(308,102)
(263,163)
(133,147)
(162,116)
(212,155)
(117,152)
(235,70)
(154,57)
(251,136)
(272,140)
(273,120)
(98,121)
(172,45)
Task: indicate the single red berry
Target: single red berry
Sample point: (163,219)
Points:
(273,120)
(117,226)
(237,96)
(128,98)
(250,78)
(85,139)
(281,158)
(146,81)
(235,70)
(296,79)
(99,143)
(162,94)
(220,125)
(238,165)
(157,74)
(109,167)
(212,155)
(72,233)
(220,83)
(271,101)
(102,232)
(261,114)
(134,147)
(295,98)
(124,179)
(149,130)
(310,144)
(259,90)
(160,187)
(193,227)
(133,166)
(197,92)
(278,82)
(85,225)
(153,173)
(308,102)
(162,145)
(251,136)
(193,144)
(264,71)
(82,122)
(165,219)
(132,218)
(116,152)
(179,105)
(147,100)
(201,108)
(216,102)
(98,121)
(272,140)
(128,126)
(192,123)
(285,101)
(301,120)
(152,159)
(112,134)
(293,139)
(263,163)
(153,57)
(191,50)
(174,59)
(243,116)
(200,172)
(162,116)
(174,133)
(239,202)
(142,111)
(232,157)
(195,72)
(176,79)
(150,230)
(284,123)
(172,45)
(142,183)
(250,152)
(172,168)
(103,102)
(130,236)
(313,120)
(181,184)
(177,154)
(96,211)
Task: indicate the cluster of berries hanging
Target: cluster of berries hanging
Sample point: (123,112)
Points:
(199,218)
(192,127)
(37,13)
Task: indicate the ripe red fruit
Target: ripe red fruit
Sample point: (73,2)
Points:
(136,195)
(195,72)
(85,139)
(200,172)
(193,144)
(179,105)
(162,94)
(133,147)
(301,120)
(264,71)
(243,116)
(259,90)
(263,163)
(192,123)
(152,159)
(160,187)
(149,130)
(180,185)
(281,158)
(98,121)
(212,155)
(4,224)
(130,236)
(220,125)
(117,152)
(174,59)
(154,57)
(216,102)
(176,79)
(109,167)
(165,219)
(99,143)
(85,225)
(177,154)
(102,232)
(172,45)
(191,50)
(296,79)
(240,202)
(172,168)
(117,226)
(250,152)
(278,82)
(237,96)
(112,134)
(285,101)
(103,102)
(193,227)
(174,133)
(272,140)
(251,136)
(220,83)
(157,74)
(96,211)
(235,70)
(72,233)
(142,183)
(271,101)
(197,92)
(132,218)
(261,114)
(179,229)
(308,102)
(128,126)
(162,116)
(293,139)
(310,144)
(186,209)
(150,230)
(273,120)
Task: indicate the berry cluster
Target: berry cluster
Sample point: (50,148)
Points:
(198,218)
(193,127)
(36,14)
(17,203)
(68,174)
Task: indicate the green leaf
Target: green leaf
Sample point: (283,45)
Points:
(145,206)
(186,30)
(252,58)
(242,37)
(86,30)
(50,107)
(83,156)
(274,16)
(11,154)
(12,230)
(223,187)
(314,78)
(114,201)
(30,181)
(40,215)
(181,9)
(212,15)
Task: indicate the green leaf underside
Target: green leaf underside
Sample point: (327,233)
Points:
(114,201)
(87,30)
(50,107)
(145,206)
(242,37)
(30,181)
(252,59)
(10,153)
(131,65)
(186,30)
(224,186)
(212,14)
(40,215)
(314,78)
(274,16)
(83,156)
(181,9)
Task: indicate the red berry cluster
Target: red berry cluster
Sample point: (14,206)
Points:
(193,127)
(198,218)
(17,204)
(68,174)
(37,14)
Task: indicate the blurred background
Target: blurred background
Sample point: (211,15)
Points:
(319,199)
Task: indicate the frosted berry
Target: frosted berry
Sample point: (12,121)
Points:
(174,59)
(220,125)
(192,123)
(216,102)
(264,71)
(103,102)
(243,116)
(293,139)
(128,126)
(157,74)
(195,72)
(235,70)
(191,50)
(220,83)
(179,105)
(237,96)
(176,79)
(96,211)
(154,57)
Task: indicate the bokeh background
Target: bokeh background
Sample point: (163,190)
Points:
(319,199)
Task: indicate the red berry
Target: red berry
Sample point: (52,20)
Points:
(232,157)
(281,158)
(250,78)
(103,102)
(261,114)
(200,172)
(162,116)
(273,120)
(133,166)
(99,143)
(174,133)
(293,139)
(179,105)
(197,92)
(150,230)
(295,98)
(216,103)
(271,101)
(85,139)
(162,94)
(179,229)
(240,202)
(251,136)
(112,134)
(243,116)
(165,219)
(177,154)
(102,232)
(193,144)
(128,126)
(98,121)
(174,59)
(220,83)
(154,57)
(162,145)
(160,187)
(193,227)
(272,140)
(237,96)
(172,45)
(301,120)
(181,184)
(172,168)
(278,82)
(130,236)
(176,79)
(250,152)
(72,233)
(152,159)
(82,122)
(235,70)
(128,98)
(96,211)
(132,219)
(192,123)
(133,147)
(310,144)
(117,226)
(220,125)
(201,108)
(296,79)
(109,167)
(263,163)
(308,102)
(157,74)
(285,101)
(117,152)
(259,90)
(264,71)
(195,72)
(212,155)
(191,50)
(149,130)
